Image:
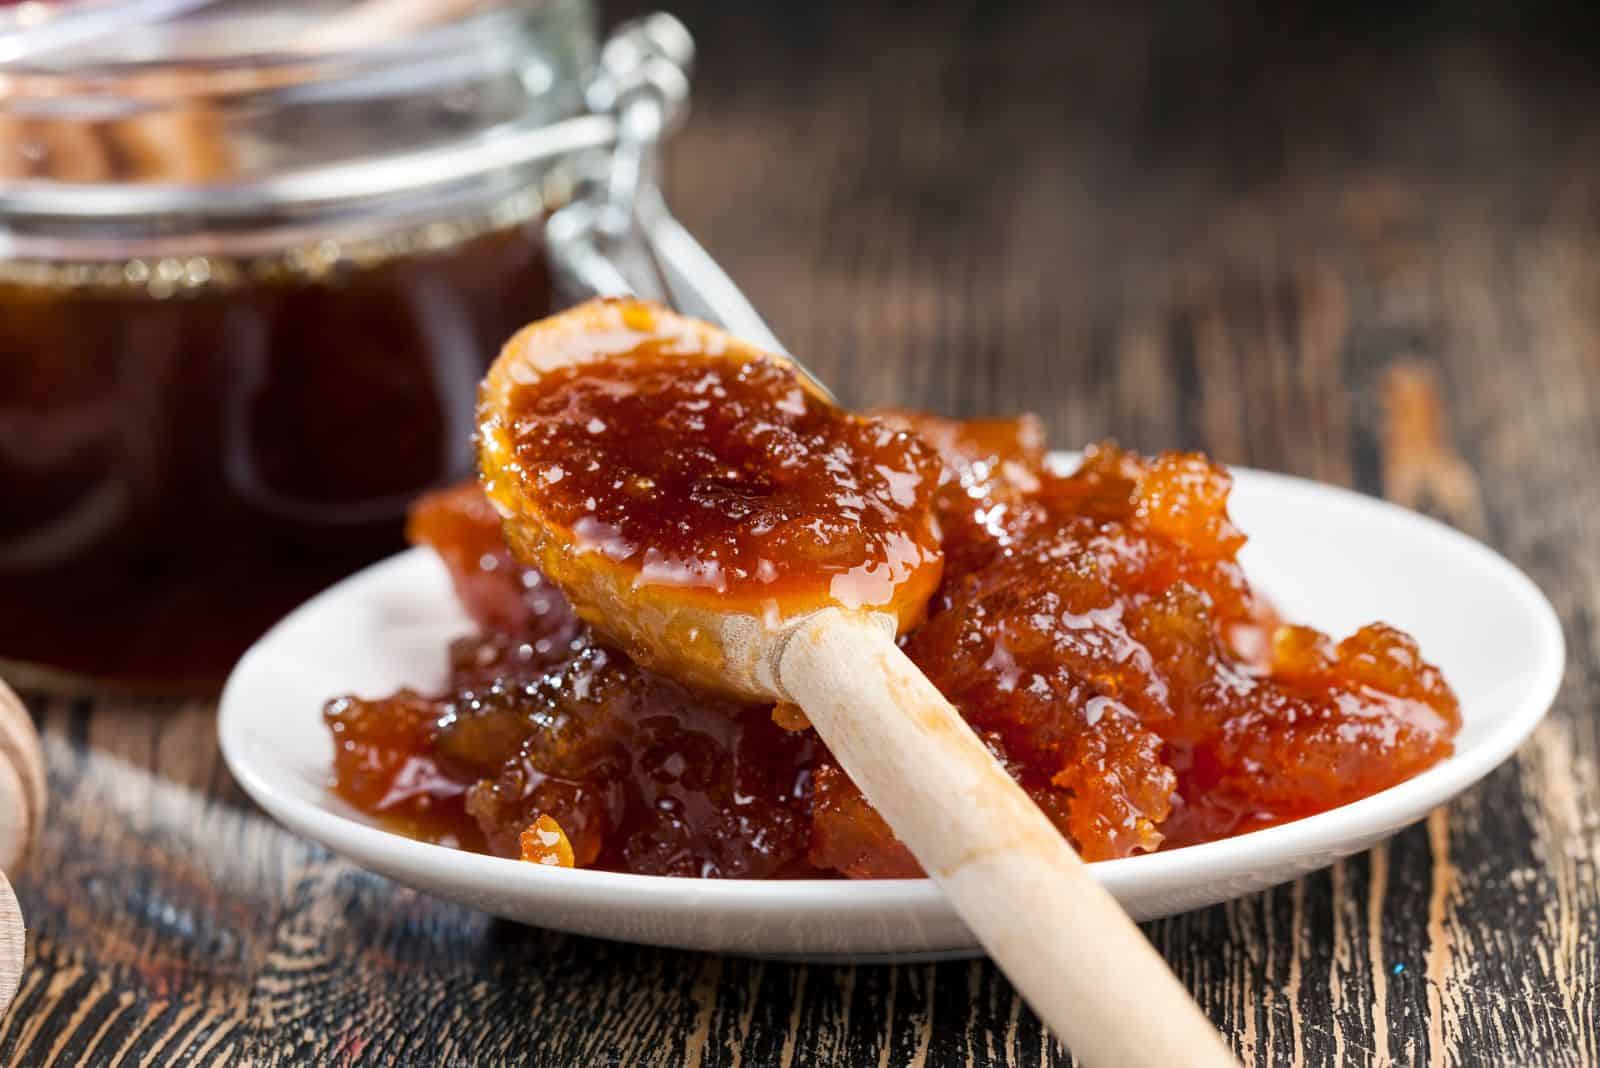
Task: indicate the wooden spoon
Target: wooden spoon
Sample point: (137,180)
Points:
(1065,943)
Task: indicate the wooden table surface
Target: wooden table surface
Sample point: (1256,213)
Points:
(1364,250)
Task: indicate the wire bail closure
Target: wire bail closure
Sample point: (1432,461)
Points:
(617,237)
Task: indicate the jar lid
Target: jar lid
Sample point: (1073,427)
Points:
(244,110)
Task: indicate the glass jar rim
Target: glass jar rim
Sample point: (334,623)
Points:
(78,84)
(313,188)
(57,45)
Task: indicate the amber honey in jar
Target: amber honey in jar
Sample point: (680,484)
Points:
(254,259)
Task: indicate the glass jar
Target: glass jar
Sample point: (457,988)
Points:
(254,259)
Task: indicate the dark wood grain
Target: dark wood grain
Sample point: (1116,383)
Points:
(1363,248)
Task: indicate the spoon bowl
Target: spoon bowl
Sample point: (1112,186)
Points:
(713,638)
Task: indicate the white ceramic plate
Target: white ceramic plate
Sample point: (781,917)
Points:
(1326,556)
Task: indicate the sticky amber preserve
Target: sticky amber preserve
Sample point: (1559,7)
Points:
(1095,629)
(729,476)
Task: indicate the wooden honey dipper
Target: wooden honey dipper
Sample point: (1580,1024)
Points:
(22,811)
(804,638)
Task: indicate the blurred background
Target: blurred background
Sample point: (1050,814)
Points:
(919,193)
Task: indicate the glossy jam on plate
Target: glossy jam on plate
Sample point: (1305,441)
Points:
(730,476)
(1094,628)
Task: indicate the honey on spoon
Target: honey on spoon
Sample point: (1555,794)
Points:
(691,495)
(705,507)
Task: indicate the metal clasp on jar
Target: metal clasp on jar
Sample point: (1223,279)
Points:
(617,237)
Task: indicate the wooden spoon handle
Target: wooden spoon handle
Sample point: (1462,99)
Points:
(1062,939)
(11,944)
